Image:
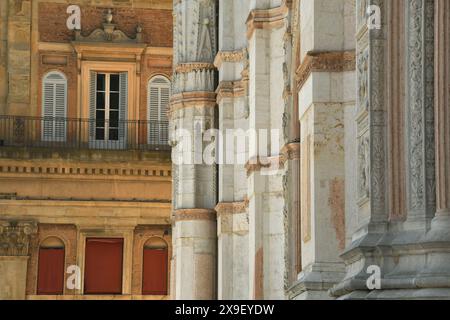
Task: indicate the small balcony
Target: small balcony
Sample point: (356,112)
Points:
(83,134)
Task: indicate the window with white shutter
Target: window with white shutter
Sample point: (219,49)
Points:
(54,107)
(158,103)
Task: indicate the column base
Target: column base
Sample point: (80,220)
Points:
(414,264)
(316,280)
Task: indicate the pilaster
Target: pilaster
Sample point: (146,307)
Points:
(327,65)
(14,241)
(267,25)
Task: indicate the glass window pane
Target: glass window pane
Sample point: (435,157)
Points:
(114,101)
(100,100)
(114,82)
(114,116)
(114,134)
(100,134)
(101,82)
(100,115)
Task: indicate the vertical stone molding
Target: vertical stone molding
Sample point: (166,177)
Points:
(442,109)
(421,197)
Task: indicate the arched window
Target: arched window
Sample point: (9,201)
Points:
(154,269)
(158,103)
(54,107)
(51,267)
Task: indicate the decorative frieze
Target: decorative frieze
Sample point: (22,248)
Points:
(420,110)
(230,56)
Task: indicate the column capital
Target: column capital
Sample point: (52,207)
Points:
(15,237)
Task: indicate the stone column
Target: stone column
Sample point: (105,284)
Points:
(266,172)
(232,101)
(291,149)
(192,113)
(420,148)
(14,241)
(442,113)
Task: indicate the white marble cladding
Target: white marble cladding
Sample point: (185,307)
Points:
(345,136)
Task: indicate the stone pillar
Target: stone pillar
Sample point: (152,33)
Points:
(442,113)
(368,169)
(192,113)
(291,149)
(328,61)
(232,101)
(14,241)
(267,26)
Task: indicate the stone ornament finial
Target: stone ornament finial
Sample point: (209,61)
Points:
(15,237)
(109,16)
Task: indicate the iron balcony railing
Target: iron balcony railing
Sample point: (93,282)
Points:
(67,133)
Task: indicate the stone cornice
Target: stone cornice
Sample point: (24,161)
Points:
(193,66)
(194,214)
(330,61)
(191,99)
(95,172)
(230,208)
(230,89)
(230,56)
(273,18)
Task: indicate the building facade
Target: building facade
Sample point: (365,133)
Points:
(85,170)
(352,191)
(224,149)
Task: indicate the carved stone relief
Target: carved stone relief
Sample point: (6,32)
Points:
(15,237)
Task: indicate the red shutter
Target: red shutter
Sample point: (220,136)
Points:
(51,271)
(154,277)
(103,266)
